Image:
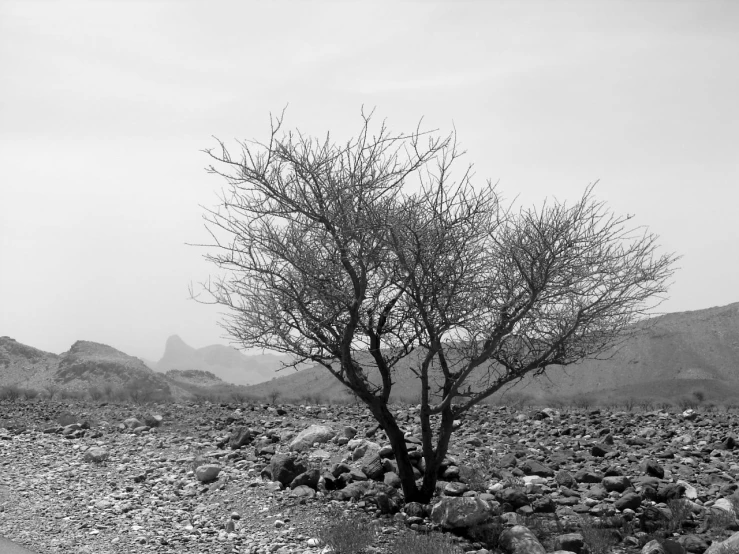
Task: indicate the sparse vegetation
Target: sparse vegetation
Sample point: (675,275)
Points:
(409,542)
(10,393)
(599,540)
(346,535)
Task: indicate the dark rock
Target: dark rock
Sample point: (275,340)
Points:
(307,478)
(534,467)
(284,469)
(653,469)
(630,500)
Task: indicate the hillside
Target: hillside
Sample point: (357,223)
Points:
(85,366)
(669,357)
(225,362)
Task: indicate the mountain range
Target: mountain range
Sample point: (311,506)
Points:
(667,357)
(224,362)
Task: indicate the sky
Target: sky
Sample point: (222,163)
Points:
(106,106)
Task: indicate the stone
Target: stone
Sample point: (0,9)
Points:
(96,454)
(207,473)
(571,542)
(729,545)
(564,479)
(616,483)
(628,501)
(349,432)
(284,469)
(653,547)
(693,544)
(392,479)
(513,496)
(307,478)
(241,436)
(653,469)
(313,434)
(534,467)
(520,540)
(460,512)
(371,465)
(132,423)
(152,420)
(455,489)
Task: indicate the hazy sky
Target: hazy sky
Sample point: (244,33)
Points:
(105,106)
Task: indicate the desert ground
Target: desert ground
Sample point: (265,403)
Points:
(257,478)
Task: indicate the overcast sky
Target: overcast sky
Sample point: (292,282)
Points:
(105,106)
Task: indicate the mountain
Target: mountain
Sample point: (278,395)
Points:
(667,358)
(85,366)
(225,362)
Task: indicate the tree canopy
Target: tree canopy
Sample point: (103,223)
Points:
(375,253)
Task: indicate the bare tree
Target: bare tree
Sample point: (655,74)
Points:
(371,259)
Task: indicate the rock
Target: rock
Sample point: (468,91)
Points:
(392,479)
(241,436)
(513,496)
(652,468)
(311,435)
(307,478)
(571,542)
(618,484)
(152,420)
(629,501)
(207,473)
(303,491)
(284,469)
(460,512)
(455,489)
(349,432)
(653,547)
(132,423)
(564,479)
(693,544)
(534,467)
(371,464)
(729,545)
(520,540)
(96,454)
(725,505)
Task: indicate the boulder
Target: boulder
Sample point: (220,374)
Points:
(241,436)
(534,467)
(311,435)
(729,545)
(460,512)
(520,540)
(132,423)
(616,483)
(284,469)
(571,542)
(207,473)
(96,454)
(307,478)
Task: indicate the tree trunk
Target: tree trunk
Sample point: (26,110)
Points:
(433,462)
(397,441)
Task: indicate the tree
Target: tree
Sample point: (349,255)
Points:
(371,259)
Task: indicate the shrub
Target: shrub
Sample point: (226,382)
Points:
(10,392)
(409,542)
(680,512)
(30,394)
(94,393)
(346,535)
(274,396)
(51,391)
(598,539)
(487,533)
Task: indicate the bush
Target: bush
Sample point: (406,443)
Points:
(10,392)
(680,512)
(30,394)
(413,543)
(597,539)
(346,535)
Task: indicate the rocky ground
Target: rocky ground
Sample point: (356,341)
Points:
(260,479)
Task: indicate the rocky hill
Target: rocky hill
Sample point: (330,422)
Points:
(667,358)
(87,365)
(195,377)
(225,362)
